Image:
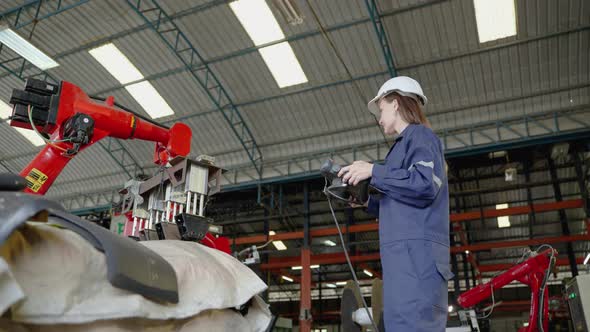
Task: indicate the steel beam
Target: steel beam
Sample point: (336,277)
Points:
(20,16)
(97,42)
(491,239)
(253,49)
(529,123)
(400,68)
(565,229)
(347,25)
(350,221)
(318,212)
(454,147)
(320,259)
(381,36)
(31,12)
(454,263)
(80,202)
(157,18)
(522,243)
(444,111)
(455,218)
(463,229)
(516,210)
(529,196)
(479,192)
(583,185)
(305,317)
(311,171)
(339,258)
(314,174)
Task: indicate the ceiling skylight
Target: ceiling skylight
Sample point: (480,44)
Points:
(263,28)
(283,64)
(25,49)
(118,65)
(495,19)
(152,102)
(258,21)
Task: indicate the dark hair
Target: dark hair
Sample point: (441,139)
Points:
(409,109)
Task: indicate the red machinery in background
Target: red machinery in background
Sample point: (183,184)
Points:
(70,121)
(533,272)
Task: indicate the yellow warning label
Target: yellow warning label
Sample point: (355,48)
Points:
(35,180)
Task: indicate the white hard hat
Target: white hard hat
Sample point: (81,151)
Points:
(404,86)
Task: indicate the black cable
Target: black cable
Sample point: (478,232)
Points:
(132,112)
(356,282)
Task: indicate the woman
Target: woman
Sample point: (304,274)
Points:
(413,210)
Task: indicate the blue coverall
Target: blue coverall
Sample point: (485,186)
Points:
(413,232)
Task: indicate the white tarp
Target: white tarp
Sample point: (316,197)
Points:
(50,275)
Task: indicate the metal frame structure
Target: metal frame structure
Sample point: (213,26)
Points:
(562,216)
(175,39)
(311,287)
(467,214)
(253,49)
(381,36)
(373,75)
(264,176)
(455,218)
(300,168)
(521,130)
(43,10)
(245,170)
(20,17)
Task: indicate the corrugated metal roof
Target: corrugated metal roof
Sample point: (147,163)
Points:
(479,83)
(212,39)
(94,20)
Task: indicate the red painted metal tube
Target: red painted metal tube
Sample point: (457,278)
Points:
(457,217)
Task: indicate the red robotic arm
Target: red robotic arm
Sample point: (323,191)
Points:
(531,272)
(73,121)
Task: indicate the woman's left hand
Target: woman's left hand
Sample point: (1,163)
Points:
(356,172)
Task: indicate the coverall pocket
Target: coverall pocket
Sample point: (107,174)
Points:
(445,271)
(427,265)
(421,258)
(441,256)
